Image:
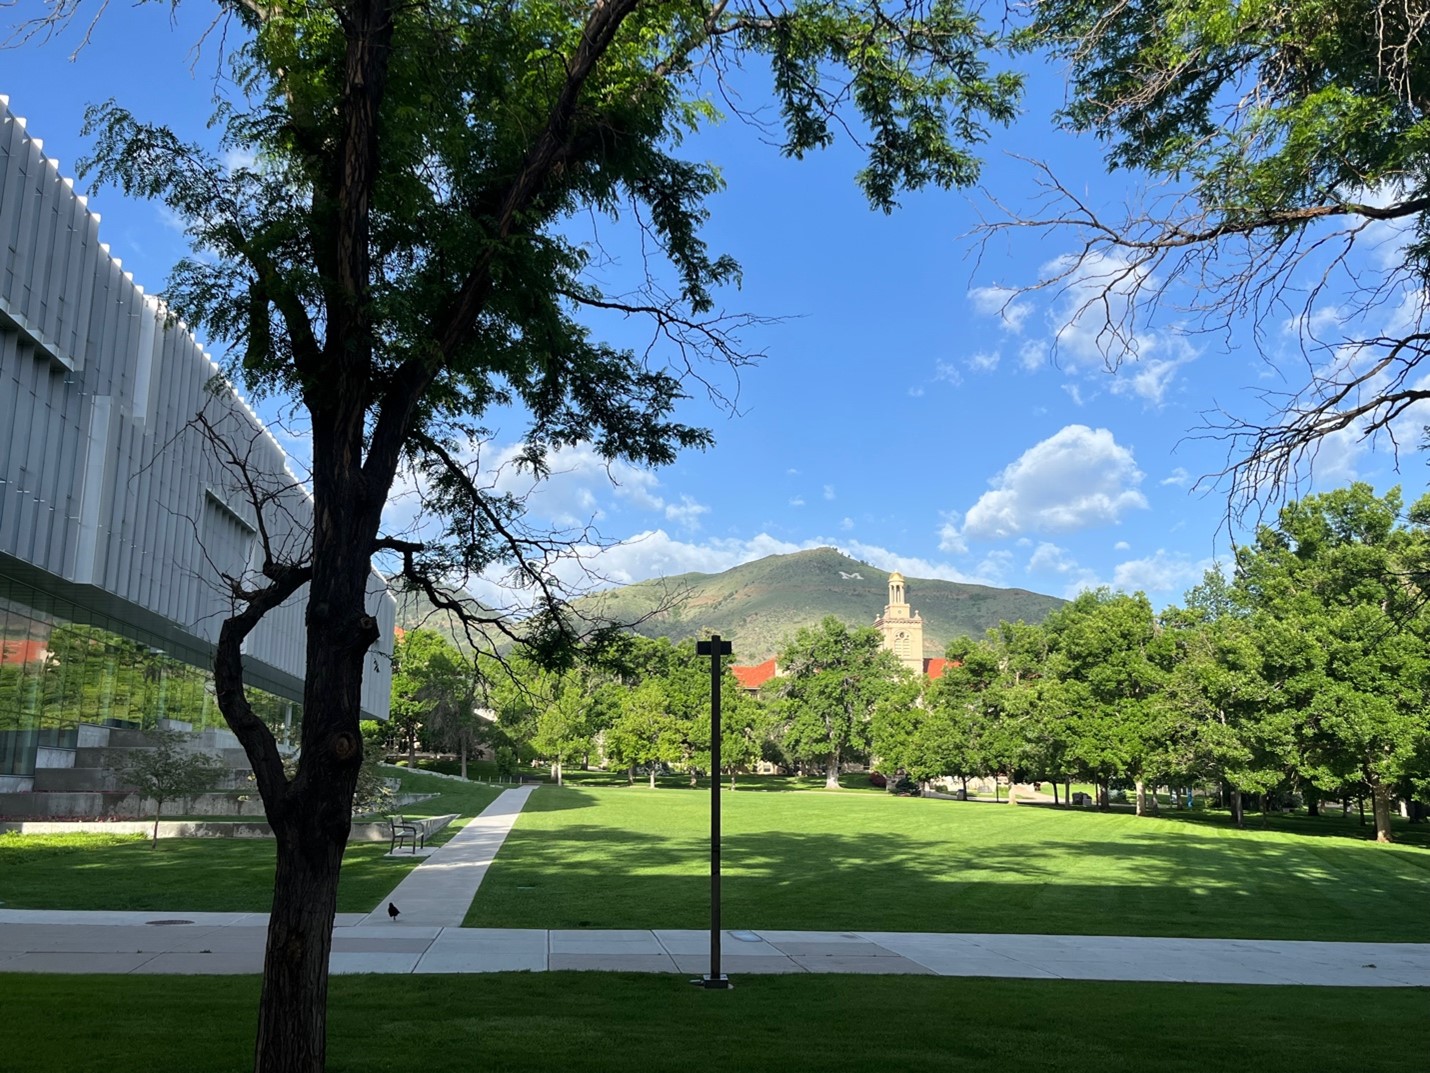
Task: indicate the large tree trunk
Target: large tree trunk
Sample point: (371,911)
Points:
(556,768)
(464,757)
(1238,813)
(1141,797)
(831,773)
(292,1011)
(1380,804)
(1055,793)
(652,776)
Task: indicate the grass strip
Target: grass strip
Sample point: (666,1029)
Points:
(599,1022)
(196,875)
(605,857)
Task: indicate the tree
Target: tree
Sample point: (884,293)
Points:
(1215,709)
(1289,143)
(1101,650)
(645,734)
(562,729)
(1337,591)
(168,770)
(394,261)
(833,679)
(431,687)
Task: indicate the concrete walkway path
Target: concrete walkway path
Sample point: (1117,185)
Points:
(221,943)
(439,891)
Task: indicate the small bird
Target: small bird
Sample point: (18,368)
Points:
(392,910)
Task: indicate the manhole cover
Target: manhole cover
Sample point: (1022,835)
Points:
(166,923)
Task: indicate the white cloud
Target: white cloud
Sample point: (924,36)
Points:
(687,512)
(984,361)
(1162,572)
(1094,328)
(233,159)
(1150,377)
(916,392)
(1336,457)
(797,501)
(580,487)
(1033,355)
(846,524)
(1050,557)
(829,491)
(1122,545)
(994,567)
(950,539)
(947,372)
(1001,302)
(1077,478)
(1178,478)
(1094,307)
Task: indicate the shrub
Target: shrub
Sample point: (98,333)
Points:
(876,779)
(906,787)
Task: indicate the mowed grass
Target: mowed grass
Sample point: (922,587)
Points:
(631,858)
(616,1022)
(120,872)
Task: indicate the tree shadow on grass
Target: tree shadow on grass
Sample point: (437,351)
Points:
(1148,882)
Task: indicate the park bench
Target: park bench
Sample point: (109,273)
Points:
(406,832)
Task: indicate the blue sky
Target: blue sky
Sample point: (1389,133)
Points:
(910,408)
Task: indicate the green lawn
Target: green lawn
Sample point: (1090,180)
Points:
(103,871)
(615,1023)
(620,857)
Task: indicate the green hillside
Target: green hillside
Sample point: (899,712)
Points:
(760,603)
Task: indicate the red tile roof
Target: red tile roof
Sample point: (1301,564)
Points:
(756,676)
(934,667)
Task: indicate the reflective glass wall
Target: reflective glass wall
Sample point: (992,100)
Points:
(57,671)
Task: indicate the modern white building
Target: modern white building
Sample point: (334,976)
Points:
(118,518)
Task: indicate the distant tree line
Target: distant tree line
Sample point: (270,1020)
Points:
(1305,674)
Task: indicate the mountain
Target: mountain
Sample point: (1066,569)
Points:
(759,604)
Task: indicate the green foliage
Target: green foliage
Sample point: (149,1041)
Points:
(1263,107)
(832,679)
(1336,598)
(433,697)
(167,770)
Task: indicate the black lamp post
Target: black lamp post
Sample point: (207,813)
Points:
(714,648)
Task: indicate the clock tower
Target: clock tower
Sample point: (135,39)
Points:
(902,628)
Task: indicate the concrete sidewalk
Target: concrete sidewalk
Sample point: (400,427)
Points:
(221,943)
(439,891)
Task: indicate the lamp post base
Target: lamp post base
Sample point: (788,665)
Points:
(713,983)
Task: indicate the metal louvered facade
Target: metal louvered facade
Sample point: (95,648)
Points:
(114,508)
